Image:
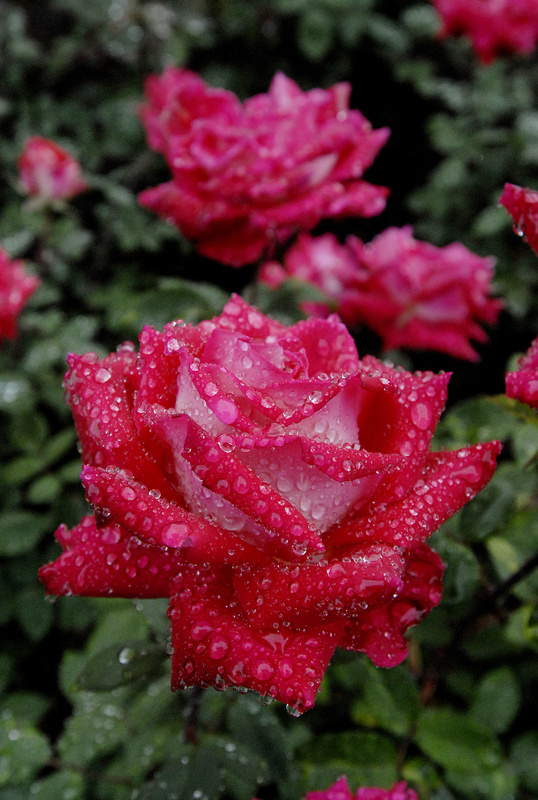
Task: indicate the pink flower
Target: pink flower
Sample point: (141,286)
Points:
(321,261)
(420,296)
(248,175)
(341,791)
(16,286)
(523,384)
(411,293)
(522,205)
(275,487)
(492,25)
(48,172)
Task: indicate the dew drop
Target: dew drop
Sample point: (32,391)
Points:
(126,655)
(293,711)
(421,416)
(263,670)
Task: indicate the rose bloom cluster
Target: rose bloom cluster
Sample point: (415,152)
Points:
(494,26)
(522,205)
(248,175)
(276,487)
(411,293)
(16,286)
(49,173)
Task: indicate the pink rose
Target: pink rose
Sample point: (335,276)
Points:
(494,26)
(247,175)
(16,286)
(416,295)
(523,384)
(278,489)
(48,172)
(522,205)
(321,261)
(410,293)
(341,791)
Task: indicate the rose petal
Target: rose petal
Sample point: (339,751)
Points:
(448,481)
(523,384)
(331,590)
(100,395)
(214,645)
(107,562)
(159,522)
(379,632)
(223,473)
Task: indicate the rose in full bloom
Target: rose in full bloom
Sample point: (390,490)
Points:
(47,172)
(247,175)
(410,293)
(494,26)
(416,295)
(523,383)
(277,488)
(522,205)
(16,286)
(341,791)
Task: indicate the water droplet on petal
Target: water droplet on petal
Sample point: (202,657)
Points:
(293,711)
(421,415)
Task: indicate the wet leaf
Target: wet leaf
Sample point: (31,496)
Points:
(120,664)
(457,741)
(23,750)
(20,531)
(497,700)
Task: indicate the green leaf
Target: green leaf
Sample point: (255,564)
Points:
(20,531)
(315,33)
(521,629)
(64,785)
(23,750)
(20,470)
(492,509)
(511,549)
(497,700)
(368,759)
(524,756)
(251,724)
(34,614)
(216,766)
(390,699)
(27,706)
(44,490)
(95,729)
(457,741)
(462,573)
(495,784)
(16,393)
(120,664)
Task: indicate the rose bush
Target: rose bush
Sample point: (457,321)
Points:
(275,486)
(493,27)
(248,175)
(522,205)
(341,791)
(16,286)
(47,172)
